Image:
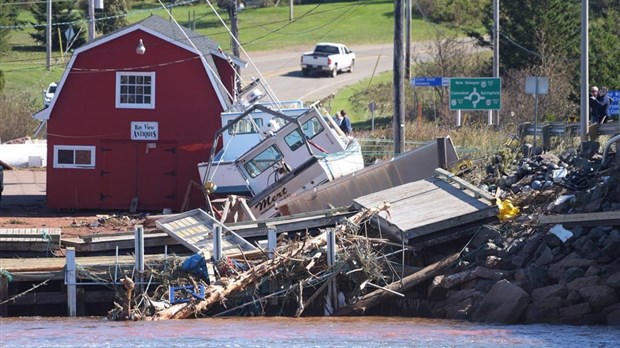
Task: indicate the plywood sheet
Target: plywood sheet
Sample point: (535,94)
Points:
(427,206)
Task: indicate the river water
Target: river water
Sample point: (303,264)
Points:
(302,332)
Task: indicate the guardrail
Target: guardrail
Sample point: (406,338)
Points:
(566,131)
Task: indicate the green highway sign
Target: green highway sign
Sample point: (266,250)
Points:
(475,93)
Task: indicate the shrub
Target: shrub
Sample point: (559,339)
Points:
(17,121)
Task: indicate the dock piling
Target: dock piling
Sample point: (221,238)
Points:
(271,241)
(70,282)
(139,254)
(217,243)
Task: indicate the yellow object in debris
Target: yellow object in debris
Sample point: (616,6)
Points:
(506,209)
(462,167)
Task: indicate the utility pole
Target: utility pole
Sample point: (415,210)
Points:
(48,37)
(399,73)
(496,49)
(91,20)
(233,43)
(408,42)
(290,10)
(585,72)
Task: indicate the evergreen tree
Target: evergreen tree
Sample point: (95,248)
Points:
(8,18)
(65,17)
(534,30)
(604,50)
(114,16)
(462,13)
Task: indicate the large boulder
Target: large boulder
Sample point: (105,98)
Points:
(504,303)
(571,274)
(590,250)
(486,235)
(612,247)
(583,282)
(536,314)
(541,294)
(614,280)
(599,296)
(613,318)
(572,313)
(612,313)
(543,255)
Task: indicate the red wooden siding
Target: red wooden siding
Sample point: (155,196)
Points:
(157,172)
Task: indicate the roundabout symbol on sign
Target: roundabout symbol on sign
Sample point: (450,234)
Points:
(474,97)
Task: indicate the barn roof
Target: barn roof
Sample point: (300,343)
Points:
(170,31)
(182,35)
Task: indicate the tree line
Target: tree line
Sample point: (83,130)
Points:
(537,38)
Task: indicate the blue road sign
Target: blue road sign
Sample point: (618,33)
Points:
(615,106)
(428,82)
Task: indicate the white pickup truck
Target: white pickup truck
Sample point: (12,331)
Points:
(330,57)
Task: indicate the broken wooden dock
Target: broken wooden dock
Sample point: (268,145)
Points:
(109,241)
(422,208)
(30,239)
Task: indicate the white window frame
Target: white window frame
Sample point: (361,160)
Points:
(92,150)
(120,105)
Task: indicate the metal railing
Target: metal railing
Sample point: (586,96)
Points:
(564,131)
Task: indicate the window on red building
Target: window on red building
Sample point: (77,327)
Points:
(135,90)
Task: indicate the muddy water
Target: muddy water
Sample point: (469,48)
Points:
(286,332)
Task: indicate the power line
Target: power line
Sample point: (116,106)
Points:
(97,19)
(312,12)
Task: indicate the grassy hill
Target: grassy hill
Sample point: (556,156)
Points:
(354,22)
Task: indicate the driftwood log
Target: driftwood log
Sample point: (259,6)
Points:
(129,285)
(373,298)
(219,293)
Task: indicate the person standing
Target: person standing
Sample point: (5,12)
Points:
(605,103)
(595,105)
(337,118)
(344,122)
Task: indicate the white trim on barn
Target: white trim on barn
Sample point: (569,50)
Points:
(134,103)
(81,153)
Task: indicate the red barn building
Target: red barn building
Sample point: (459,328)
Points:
(134,113)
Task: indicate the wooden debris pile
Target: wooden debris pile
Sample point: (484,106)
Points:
(297,280)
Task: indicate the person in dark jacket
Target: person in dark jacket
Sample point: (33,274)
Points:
(605,103)
(344,122)
(595,105)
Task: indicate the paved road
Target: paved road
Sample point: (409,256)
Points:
(282,71)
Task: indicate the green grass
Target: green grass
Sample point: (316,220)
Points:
(341,99)
(353,22)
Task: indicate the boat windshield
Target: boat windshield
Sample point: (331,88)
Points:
(244,126)
(262,161)
(312,127)
(294,140)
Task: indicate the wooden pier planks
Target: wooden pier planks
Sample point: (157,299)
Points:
(427,206)
(291,223)
(105,242)
(30,239)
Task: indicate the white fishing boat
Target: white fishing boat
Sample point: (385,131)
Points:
(243,130)
(294,150)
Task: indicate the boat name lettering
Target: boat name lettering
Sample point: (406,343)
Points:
(270,200)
